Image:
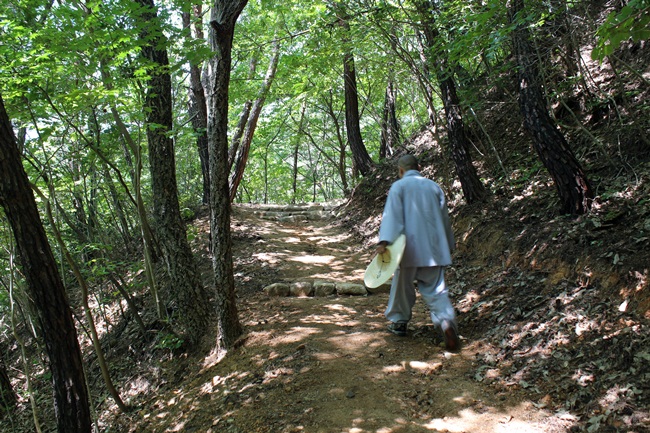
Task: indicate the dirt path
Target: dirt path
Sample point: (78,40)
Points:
(327,364)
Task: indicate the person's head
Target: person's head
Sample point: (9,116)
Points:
(406,163)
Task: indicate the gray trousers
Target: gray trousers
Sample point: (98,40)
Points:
(432,288)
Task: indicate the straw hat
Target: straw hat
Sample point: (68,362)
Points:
(382,266)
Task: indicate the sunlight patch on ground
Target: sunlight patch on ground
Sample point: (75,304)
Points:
(334,319)
(339,307)
(259,337)
(357,343)
(294,335)
(425,367)
(393,369)
(472,421)
(313,260)
(326,356)
(137,386)
(271,258)
(329,239)
(422,367)
(217,382)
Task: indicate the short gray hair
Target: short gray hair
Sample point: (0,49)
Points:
(408,162)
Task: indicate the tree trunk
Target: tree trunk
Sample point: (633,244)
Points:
(90,321)
(197,106)
(222,28)
(473,189)
(341,165)
(194,309)
(390,128)
(390,131)
(296,148)
(570,180)
(7,394)
(247,139)
(45,287)
(239,133)
(149,245)
(362,160)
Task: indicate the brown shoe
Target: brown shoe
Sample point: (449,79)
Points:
(452,342)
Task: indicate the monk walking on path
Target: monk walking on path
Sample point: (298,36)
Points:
(417,208)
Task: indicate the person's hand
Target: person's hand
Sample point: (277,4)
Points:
(381,248)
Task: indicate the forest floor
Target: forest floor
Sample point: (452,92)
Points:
(542,351)
(553,314)
(327,364)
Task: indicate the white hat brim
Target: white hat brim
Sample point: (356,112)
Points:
(383,266)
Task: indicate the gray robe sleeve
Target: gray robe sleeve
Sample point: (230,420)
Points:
(392,220)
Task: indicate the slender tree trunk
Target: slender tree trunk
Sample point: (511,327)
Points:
(473,189)
(425,78)
(119,210)
(239,133)
(341,166)
(296,147)
(222,28)
(194,309)
(390,131)
(390,128)
(572,185)
(90,321)
(247,139)
(7,393)
(197,106)
(148,242)
(45,286)
(362,161)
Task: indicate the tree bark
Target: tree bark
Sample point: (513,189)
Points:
(247,139)
(390,131)
(362,160)
(296,148)
(222,29)
(572,185)
(473,189)
(239,133)
(390,128)
(7,393)
(197,105)
(340,164)
(45,286)
(194,309)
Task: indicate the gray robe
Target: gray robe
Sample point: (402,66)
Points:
(416,206)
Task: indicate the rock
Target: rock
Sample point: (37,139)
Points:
(301,288)
(384,288)
(322,288)
(351,289)
(277,289)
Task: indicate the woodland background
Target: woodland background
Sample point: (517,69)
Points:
(132,117)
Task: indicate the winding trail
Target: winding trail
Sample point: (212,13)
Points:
(327,365)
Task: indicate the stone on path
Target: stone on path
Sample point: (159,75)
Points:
(301,289)
(324,289)
(277,289)
(351,289)
(318,288)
